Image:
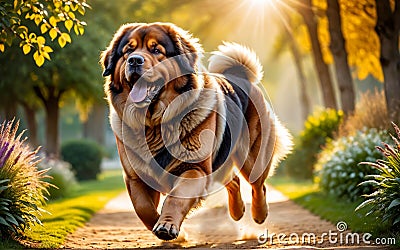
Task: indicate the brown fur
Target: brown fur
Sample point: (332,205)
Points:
(143,129)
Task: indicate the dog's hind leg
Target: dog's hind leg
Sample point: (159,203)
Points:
(236,205)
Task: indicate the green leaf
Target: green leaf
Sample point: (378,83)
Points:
(394,203)
(364,204)
(4,181)
(4,222)
(397,220)
(11,219)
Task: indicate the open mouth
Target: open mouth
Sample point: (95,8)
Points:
(143,92)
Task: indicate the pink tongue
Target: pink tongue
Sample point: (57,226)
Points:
(138,92)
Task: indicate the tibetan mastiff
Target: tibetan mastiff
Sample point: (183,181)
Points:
(181,128)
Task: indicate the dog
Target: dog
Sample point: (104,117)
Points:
(181,128)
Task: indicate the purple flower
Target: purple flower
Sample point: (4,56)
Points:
(5,153)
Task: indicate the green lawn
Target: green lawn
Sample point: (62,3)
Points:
(72,212)
(308,195)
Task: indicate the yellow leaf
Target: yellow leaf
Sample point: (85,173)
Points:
(81,30)
(46,55)
(47,49)
(38,19)
(76,29)
(41,40)
(53,21)
(74,7)
(53,33)
(64,39)
(68,24)
(71,15)
(57,4)
(44,28)
(2,47)
(61,41)
(66,8)
(26,48)
(39,59)
(67,37)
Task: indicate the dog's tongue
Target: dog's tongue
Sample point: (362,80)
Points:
(138,92)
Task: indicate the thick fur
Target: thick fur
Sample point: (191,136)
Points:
(194,129)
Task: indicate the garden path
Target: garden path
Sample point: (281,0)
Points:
(117,226)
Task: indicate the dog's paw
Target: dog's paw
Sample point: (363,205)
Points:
(166,231)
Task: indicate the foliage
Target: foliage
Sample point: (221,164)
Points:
(339,172)
(22,189)
(328,207)
(370,112)
(319,126)
(55,18)
(62,177)
(71,212)
(85,157)
(358,26)
(385,201)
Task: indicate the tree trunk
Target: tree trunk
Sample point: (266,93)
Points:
(94,127)
(294,49)
(10,110)
(387,28)
(338,49)
(325,81)
(30,115)
(52,123)
(51,104)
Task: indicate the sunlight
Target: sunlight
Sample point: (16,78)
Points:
(261,2)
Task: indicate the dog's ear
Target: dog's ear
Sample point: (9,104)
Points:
(187,48)
(113,53)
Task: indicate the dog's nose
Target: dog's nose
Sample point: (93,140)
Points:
(136,60)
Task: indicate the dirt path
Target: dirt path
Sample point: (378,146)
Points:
(117,226)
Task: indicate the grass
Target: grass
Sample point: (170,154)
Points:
(308,195)
(69,213)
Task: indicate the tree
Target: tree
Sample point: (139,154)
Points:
(388,27)
(338,50)
(17,17)
(305,9)
(288,39)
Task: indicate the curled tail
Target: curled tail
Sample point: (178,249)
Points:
(236,59)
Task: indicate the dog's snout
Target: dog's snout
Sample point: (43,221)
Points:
(136,60)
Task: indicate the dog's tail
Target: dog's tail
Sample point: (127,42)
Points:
(238,60)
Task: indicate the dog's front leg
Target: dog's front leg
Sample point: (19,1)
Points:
(144,198)
(185,195)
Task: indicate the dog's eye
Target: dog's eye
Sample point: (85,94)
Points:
(156,51)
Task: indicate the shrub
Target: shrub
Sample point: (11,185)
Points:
(320,126)
(22,189)
(370,112)
(339,172)
(62,177)
(385,201)
(85,157)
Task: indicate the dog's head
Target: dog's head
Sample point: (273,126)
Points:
(144,59)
